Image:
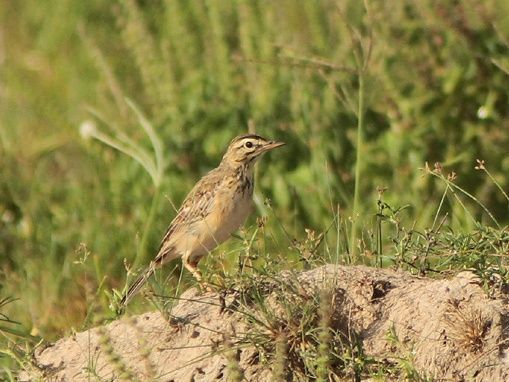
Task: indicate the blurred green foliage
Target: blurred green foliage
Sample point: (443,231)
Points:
(436,84)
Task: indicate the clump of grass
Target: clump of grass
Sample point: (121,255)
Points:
(467,326)
(297,332)
(17,345)
(22,357)
(154,164)
(444,247)
(7,325)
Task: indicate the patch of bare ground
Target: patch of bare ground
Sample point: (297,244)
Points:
(445,329)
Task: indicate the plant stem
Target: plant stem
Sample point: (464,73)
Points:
(358,167)
(142,248)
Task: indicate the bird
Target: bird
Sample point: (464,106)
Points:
(215,208)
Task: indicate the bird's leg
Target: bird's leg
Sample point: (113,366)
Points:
(192,266)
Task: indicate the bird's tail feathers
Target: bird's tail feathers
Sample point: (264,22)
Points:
(136,286)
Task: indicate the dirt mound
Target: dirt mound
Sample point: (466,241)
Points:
(444,329)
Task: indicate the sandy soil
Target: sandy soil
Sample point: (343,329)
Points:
(449,329)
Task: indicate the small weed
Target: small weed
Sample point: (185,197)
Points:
(145,351)
(280,371)
(404,362)
(233,369)
(106,344)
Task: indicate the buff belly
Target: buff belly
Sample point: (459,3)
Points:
(218,226)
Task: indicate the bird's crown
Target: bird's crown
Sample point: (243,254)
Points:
(247,148)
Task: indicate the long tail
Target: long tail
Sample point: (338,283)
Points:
(136,286)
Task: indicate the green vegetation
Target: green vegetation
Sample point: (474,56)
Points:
(110,112)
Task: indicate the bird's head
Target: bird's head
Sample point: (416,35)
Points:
(246,149)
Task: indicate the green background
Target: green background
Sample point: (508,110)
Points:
(435,86)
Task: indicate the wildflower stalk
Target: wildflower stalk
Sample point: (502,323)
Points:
(113,358)
(280,369)
(324,336)
(358,165)
(235,373)
(481,166)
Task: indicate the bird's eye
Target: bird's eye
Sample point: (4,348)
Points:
(248,145)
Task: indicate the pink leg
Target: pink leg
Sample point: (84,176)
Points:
(192,266)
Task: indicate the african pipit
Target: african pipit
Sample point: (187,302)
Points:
(217,206)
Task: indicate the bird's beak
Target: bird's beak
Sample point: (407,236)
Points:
(272,145)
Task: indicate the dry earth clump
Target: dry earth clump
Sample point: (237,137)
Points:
(438,329)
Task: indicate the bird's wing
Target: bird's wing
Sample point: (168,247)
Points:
(198,203)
